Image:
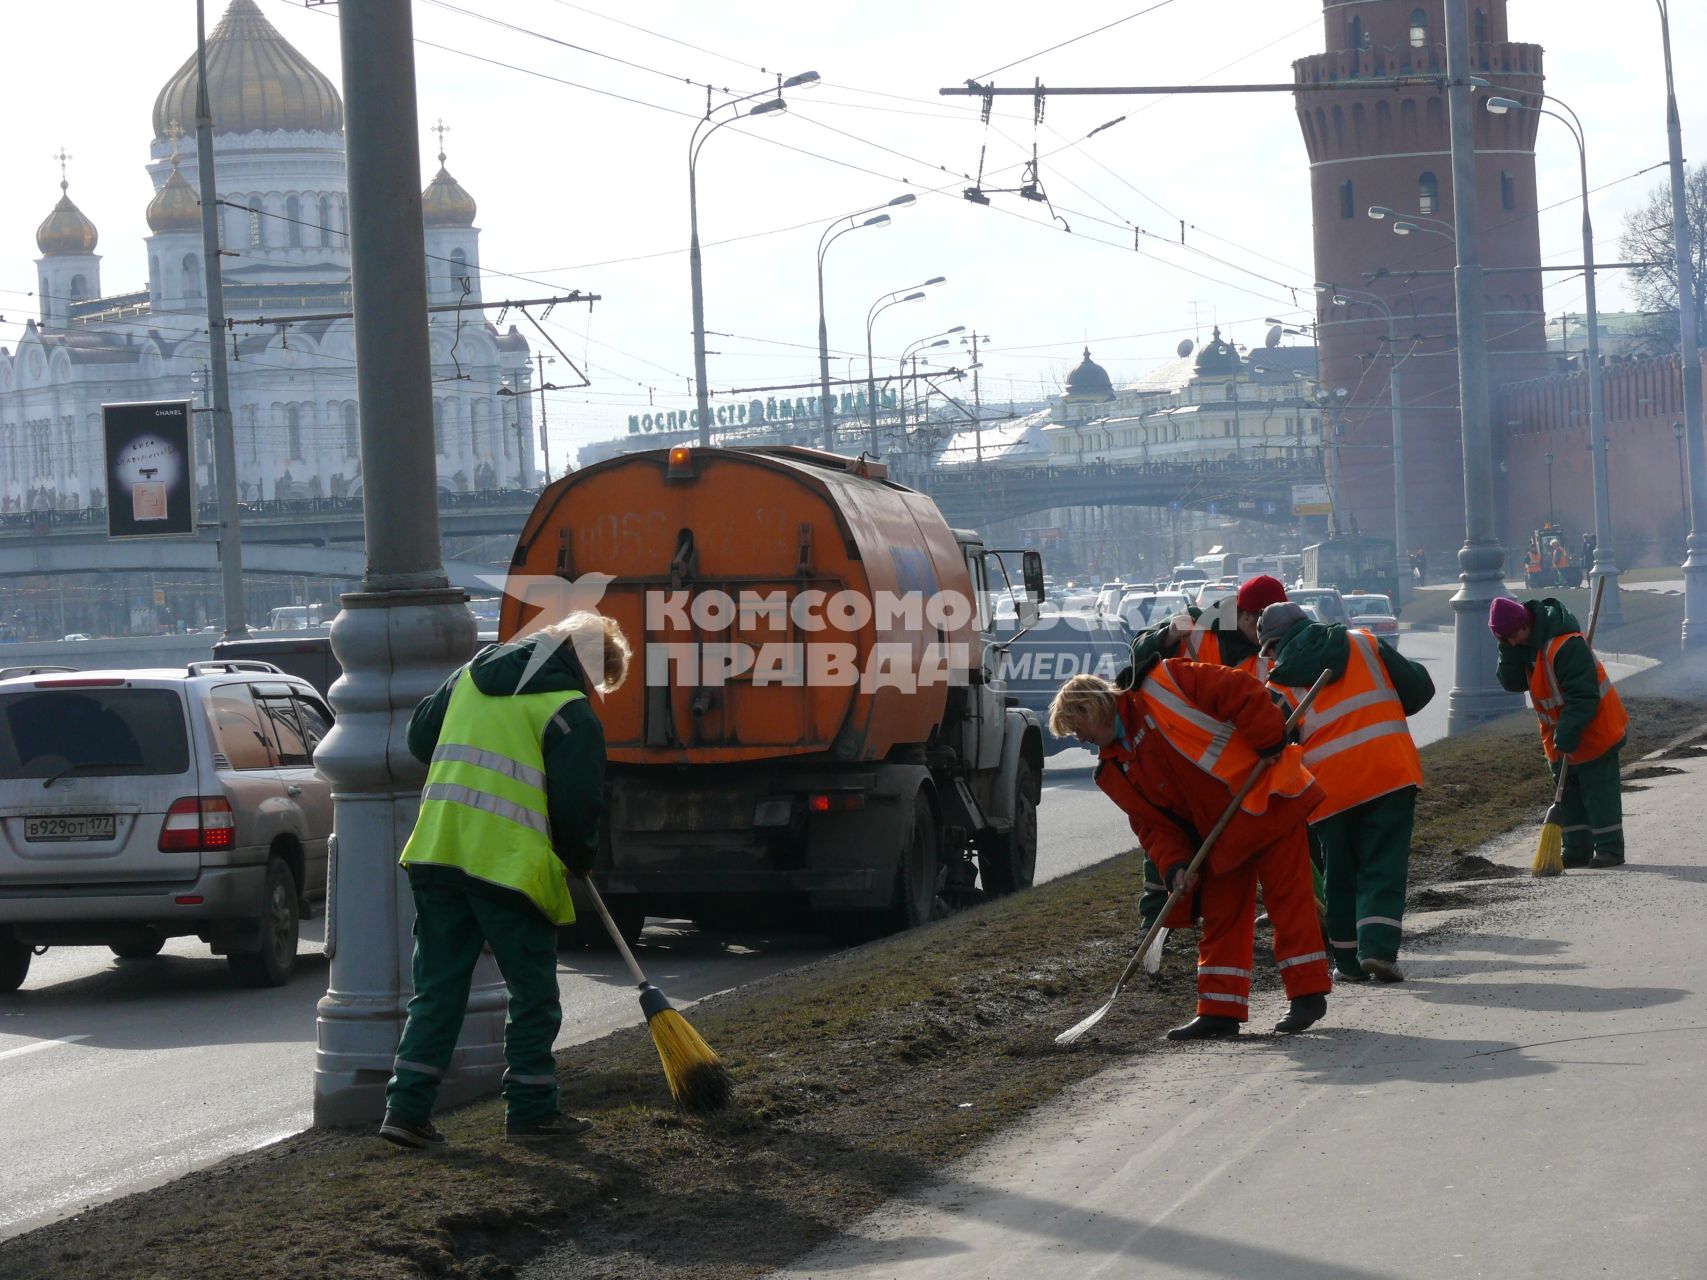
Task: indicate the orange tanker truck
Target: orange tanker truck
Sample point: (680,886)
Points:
(812,721)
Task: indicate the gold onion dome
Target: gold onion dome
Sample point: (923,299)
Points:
(445,203)
(175,207)
(66,230)
(256,82)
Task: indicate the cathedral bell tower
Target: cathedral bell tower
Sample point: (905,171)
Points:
(1380,158)
(69,270)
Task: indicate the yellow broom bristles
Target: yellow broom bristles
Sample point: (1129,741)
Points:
(698,1080)
(1549,851)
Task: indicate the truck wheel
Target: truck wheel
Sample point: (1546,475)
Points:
(275,961)
(14,961)
(137,948)
(1010,862)
(916,872)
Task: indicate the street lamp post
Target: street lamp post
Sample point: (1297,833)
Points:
(1476,694)
(770,106)
(1605,559)
(1682,475)
(1401,526)
(1549,459)
(883,303)
(1695,443)
(830,235)
(911,353)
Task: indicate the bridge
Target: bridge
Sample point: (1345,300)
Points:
(974,497)
(484,513)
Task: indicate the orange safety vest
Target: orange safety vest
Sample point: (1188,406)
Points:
(1607,728)
(1356,739)
(1534,561)
(1215,746)
(1561,558)
(1204,645)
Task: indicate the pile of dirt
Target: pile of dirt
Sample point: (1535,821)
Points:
(858,1077)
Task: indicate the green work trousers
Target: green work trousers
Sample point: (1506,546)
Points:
(451,925)
(1366,852)
(1155,894)
(1592,810)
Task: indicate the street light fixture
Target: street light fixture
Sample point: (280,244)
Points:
(883,303)
(840,227)
(1407,228)
(772,106)
(1605,559)
(911,352)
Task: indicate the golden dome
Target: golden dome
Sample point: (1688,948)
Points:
(175,207)
(255,80)
(444,203)
(66,230)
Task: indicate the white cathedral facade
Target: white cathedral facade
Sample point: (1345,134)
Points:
(283,222)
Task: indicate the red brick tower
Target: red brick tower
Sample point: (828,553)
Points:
(1389,147)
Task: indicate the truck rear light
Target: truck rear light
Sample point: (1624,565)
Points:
(835,802)
(773,813)
(681,463)
(197,823)
(86,682)
(189,900)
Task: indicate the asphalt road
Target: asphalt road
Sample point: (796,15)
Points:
(119,1075)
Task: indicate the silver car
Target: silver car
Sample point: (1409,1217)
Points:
(137,806)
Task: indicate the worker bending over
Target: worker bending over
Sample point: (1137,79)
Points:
(1358,744)
(1542,650)
(1172,750)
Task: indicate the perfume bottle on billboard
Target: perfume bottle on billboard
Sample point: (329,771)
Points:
(148,497)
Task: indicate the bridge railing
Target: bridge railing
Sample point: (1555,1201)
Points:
(1270,469)
(96,517)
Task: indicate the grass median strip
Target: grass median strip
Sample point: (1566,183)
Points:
(858,1076)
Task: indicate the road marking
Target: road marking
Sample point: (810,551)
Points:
(39,1044)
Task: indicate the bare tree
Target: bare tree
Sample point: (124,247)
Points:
(1648,238)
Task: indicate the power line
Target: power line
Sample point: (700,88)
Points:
(1162,4)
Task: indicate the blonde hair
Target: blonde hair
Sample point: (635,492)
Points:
(598,642)
(1084,702)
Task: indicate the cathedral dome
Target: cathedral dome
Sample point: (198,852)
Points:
(256,82)
(175,207)
(66,230)
(1090,381)
(445,203)
(1218,358)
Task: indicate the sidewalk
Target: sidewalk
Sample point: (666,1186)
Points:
(1530,1103)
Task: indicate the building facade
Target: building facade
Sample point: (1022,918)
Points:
(1380,155)
(284,239)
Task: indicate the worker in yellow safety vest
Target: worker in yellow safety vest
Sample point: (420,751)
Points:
(514,796)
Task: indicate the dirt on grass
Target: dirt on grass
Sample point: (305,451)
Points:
(858,1077)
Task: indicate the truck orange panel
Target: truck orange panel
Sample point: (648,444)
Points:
(762,522)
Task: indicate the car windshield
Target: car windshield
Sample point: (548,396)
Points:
(107,732)
(1369,606)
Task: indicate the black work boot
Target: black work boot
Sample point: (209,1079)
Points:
(1206,1026)
(1305,1012)
(1606,860)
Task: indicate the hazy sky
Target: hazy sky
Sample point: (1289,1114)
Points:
(578,188)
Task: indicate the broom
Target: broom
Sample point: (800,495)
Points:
(1078,1029)
(698,1080)
(1550,847)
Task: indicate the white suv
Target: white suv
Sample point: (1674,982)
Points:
(137,806)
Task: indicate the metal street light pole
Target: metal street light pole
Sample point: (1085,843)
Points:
(1549,459)
(1605,559)
(1476,695)
(883,303)
(911,353)
(1695,444)
(224,446)
(769,107)
(825,240)
(541,360)
(405,628)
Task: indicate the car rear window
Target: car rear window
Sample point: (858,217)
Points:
(92,732)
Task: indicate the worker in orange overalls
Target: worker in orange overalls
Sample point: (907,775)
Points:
(1226,635)
(1172,750)
(1532,563)
(1561,563)
(1358,744)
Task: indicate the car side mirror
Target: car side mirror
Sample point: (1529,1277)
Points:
(1031,571)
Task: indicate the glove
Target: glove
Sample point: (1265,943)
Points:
(1273,752)
(1179,627)
(581,859)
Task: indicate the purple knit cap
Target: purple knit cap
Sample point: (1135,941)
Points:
(1506,617)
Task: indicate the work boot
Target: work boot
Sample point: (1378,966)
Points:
(1384,970)
(1577,860)
(1349,975)
(1305,1012)
(1606,860)
(1206,1026)
(546,1129)
(419,1134)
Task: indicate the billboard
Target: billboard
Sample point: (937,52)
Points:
(1311,500)
(150,471)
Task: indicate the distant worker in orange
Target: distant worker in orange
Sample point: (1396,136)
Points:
(1172,750)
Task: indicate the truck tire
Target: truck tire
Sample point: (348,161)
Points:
(272,964)
(916,871)
(14,962)
(1007,863)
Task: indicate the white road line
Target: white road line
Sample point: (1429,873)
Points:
(39,1044)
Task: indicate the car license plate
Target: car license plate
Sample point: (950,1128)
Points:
(79,826)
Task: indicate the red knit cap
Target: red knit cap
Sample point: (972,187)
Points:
(1260,592)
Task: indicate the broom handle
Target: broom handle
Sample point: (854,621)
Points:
(615,934)
(1593,622)
(1215,833)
